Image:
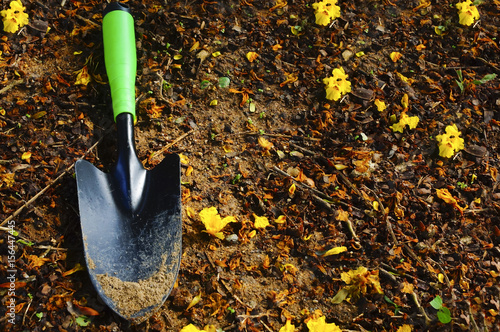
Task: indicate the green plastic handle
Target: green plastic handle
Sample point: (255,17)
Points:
(120,57)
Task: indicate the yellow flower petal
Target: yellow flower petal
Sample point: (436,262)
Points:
(337,85)
(395,56)
(265,143)
(213,222)
(15,17)
(26,156)
(450,142)
(380,105)
(334,251)
(319,324)
(467,13)
(289,327)
(404,101)
(404,328)
(184,159)
(260,222)
(326,11)
(251,56)
(404,120)
(281,220)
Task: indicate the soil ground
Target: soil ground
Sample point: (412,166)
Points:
(259,138)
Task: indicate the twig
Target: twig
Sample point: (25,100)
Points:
(388,274)
(26,311)
(420,308)
(41,192)
(267,327)
(312,153)
(402,274)
(486,62)
(391,232)
(273,135)
(10,86)
(228,289)
(321,197)
(412,254)
(303,185)
(380,204)
(348,183)
(448,283)
(50,248)
(348,222)
(88,21)
(472,320)
(168,146)
(9,230)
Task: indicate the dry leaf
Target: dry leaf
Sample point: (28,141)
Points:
(194,301)
(446,196)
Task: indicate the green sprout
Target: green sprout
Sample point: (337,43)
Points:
(397,308)
(463,85)
(443,313)
(236,179)
(204,84)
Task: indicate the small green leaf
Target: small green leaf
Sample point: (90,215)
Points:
(236,179)
(204,84)
(224,82)
(26,243)
(39,315)
(437,303)
(485,79)
(82,321)
(388,300)
(444,315)
(340,296)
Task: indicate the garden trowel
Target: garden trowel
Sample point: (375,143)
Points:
(130,217)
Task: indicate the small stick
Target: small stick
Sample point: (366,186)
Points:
(448,283)
(41,192)
(10,86)
(168,146)
(312,153)
(388,274)
(50,248)
(267,327)
(254,133)
(88,21)
(420,308)
(473,321)
(320,197)
(348,222)
(391,232)
(353,188)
